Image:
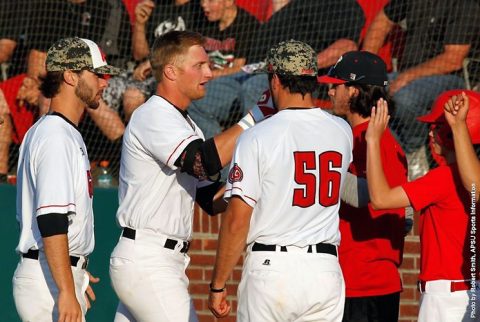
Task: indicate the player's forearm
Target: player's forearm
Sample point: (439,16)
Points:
(139,42)
(381,195)
(467,160)
(232,238)
(330,55)
(377,32)
(58,258)
(225,143)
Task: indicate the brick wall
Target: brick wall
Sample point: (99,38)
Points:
(202,254)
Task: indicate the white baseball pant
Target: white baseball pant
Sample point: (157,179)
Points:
(150,280)
(291,286)
(439,304)
(35,291)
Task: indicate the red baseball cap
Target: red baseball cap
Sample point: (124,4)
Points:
(437,115)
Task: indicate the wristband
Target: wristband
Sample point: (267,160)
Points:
(246,122)
(217,290)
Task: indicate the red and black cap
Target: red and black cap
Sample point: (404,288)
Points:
(358,67)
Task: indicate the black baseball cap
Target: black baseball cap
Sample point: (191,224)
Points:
(358,67)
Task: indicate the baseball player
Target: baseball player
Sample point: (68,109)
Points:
(166,165)
(372,241)
(54,189)
(448,240)
(456,110)
(284,189)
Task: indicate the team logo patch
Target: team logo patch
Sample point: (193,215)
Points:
(235,174)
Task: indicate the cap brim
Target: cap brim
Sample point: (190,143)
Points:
(108,70)
(431,118)
(325,79)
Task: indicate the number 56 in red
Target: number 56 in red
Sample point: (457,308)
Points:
(328,178)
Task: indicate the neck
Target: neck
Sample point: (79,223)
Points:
(69,106)
(286,100)
(228,17)
(355,119)
(173,95)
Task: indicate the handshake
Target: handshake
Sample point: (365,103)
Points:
(262,110)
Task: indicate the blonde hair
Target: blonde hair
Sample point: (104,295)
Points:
(169,49)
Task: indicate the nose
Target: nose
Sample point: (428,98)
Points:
(208,72)
(331,92)
(102,82)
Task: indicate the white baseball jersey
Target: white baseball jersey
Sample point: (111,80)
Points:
(290,169)
(153,193)
(54,177)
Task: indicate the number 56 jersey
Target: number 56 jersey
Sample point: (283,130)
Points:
(290,169)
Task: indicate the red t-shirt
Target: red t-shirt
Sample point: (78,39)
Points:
(23,116)
(444,224)
(371,248)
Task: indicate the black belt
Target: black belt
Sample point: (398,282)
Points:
(169,243)
(319,248)
(33,254)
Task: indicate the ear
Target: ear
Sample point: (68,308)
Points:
(170,72)
(352,91)
(70,77)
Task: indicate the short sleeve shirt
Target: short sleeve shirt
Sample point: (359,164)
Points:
(290,169)
(54,177)
(433,24)
(153,193)
(444,224)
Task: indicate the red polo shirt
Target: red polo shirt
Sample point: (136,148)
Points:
(444,224)
(371,248)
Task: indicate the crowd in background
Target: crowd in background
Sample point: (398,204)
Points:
(429,47)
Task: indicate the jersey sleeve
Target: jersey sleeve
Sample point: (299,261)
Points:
(53,168)
(166,135)
(244,175)
(428,189)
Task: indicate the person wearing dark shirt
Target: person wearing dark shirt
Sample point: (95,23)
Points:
(331,27)
(439,36)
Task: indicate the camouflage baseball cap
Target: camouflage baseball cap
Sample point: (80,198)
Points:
(292,57)
(78,54)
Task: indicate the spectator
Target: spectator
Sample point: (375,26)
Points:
(230,34)
(446,280)
(331,27)
(371,239)
(438,39)
(462,112)
(152,19)
(101,20)
(13,21)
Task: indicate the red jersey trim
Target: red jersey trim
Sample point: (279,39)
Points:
(175,150)
(50,206)
(242,195)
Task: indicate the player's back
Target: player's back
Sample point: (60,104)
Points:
(303,156)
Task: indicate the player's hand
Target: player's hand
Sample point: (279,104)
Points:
(89,294)
(142,71)
(264,107)
(217,303)
(143,11)
(378,121)
(68,307)
(456,109)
